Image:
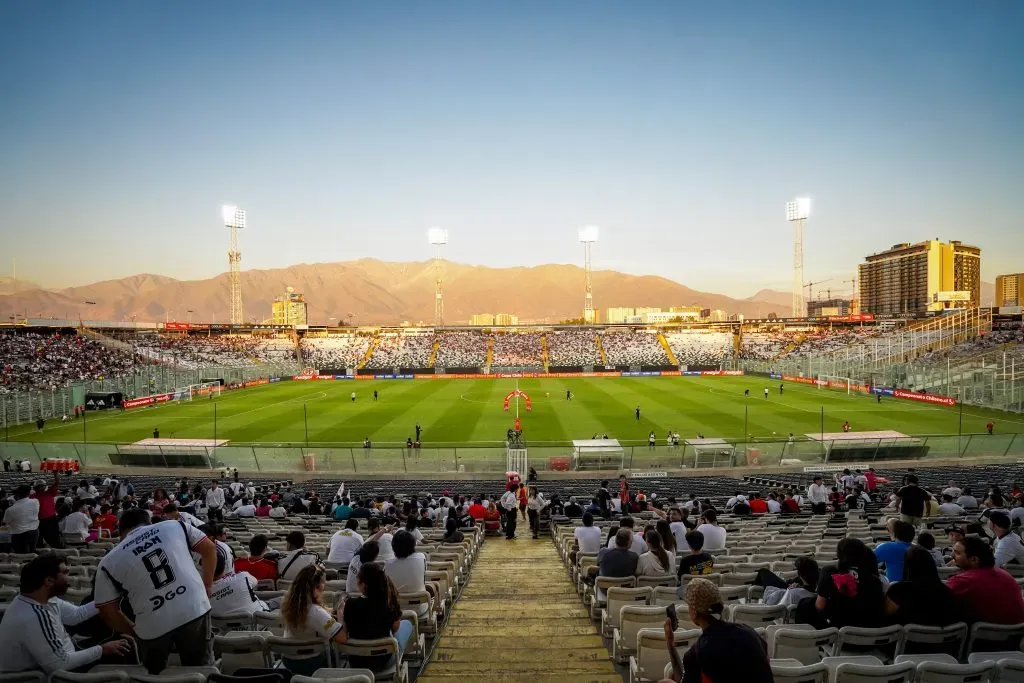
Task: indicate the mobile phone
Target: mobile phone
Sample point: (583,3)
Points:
(670,612)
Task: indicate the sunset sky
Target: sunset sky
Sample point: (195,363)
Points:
(348,129)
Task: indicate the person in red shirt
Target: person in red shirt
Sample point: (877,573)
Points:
(523,499)
(789,504)
(49,527)
(757,505)
(872,480)
(493,519)
(983,591)
(624,493)
(106,520)
(259,566)
(263,509)
(477,511)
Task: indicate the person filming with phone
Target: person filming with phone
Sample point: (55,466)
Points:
(725,652)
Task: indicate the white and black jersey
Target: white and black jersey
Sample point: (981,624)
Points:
(153,566)
(235,595)
(224,551)
(34,637)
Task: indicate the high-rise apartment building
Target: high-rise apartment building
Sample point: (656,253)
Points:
(922,277)
(289,310)
(1010,290)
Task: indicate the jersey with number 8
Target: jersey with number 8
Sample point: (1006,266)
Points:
(153,566)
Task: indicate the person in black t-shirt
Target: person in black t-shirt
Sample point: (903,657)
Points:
(375,613)
(911,501)
(850,593)
(604,499)
(921,597)
(698,561)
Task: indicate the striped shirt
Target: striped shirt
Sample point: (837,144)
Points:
(34,637)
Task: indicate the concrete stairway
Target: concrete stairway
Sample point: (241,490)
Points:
(519,619)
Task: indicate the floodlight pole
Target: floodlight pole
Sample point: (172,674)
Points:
(234,219)
(797,211)
(587,237)
(438,238)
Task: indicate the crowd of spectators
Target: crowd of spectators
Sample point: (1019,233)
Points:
(700,348)
(634,348)
(275,349)
(335,351)
(517,349)
(764,345)
(978,345)
(401,351)
(195,351)
(461,349)
(50,361)
(572,348)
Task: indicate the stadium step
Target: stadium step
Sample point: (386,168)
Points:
(369,354)
(600,350)
(519,619)
(668,350)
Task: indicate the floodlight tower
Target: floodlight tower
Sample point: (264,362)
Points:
(234,220)
(438,238)
(797,212)
(588,236)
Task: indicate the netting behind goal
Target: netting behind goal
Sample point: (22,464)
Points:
(834,382)
(209,389)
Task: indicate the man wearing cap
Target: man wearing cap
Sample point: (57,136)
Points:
(1008,546)
(725,652)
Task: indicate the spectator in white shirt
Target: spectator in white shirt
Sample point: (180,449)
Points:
(817,493)
(22,520)
(1008,547)
(277,511)
(714,535)
(368,552)
(967,501)
(296,558)
(33,627)
(588,537)
(345,543)
(637,546)
(215,502)
(952,490)
(948,508)
(78,522)
(408,570)
(234,594)
(85,490)
(1017,514)
(383,536)
(774,506)
(246,509)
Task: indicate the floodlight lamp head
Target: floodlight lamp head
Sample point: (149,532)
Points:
(437,236)
(588,234)
(234,217)
(798,209)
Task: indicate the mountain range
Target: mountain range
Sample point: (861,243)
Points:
(370,291)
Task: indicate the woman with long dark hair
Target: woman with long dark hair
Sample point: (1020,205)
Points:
(921,597)
(850,593)
(375,613)
(668,539)
(655,562)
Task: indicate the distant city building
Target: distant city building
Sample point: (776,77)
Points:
(822,308)
(1010,290)
(922,277)
(652,316)
(482,319)
(289,309)
(494,319)
(618,316)
(505,319)
(715,315)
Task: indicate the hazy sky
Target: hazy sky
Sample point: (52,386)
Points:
(347,129)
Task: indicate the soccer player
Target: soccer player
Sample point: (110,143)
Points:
(374,394)
(637,413)
(746,392)
(781,387)
(766,392)
(353,397)
(568,395)
(152,566)
(878,397)
(33,628)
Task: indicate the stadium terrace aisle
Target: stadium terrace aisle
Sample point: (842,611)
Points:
(519,619)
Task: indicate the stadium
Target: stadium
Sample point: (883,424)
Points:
(330,464)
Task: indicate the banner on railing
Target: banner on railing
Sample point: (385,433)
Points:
(925,398)
(255,382)
(146,400)
(308,373)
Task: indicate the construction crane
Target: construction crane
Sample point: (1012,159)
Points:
(811,284)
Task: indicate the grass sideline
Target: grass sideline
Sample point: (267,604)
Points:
(469,412)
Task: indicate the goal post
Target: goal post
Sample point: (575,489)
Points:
(204,389)
(835,382)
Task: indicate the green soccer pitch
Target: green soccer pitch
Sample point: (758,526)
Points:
(462,412)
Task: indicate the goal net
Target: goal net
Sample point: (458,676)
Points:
(205,389)
(834,382)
